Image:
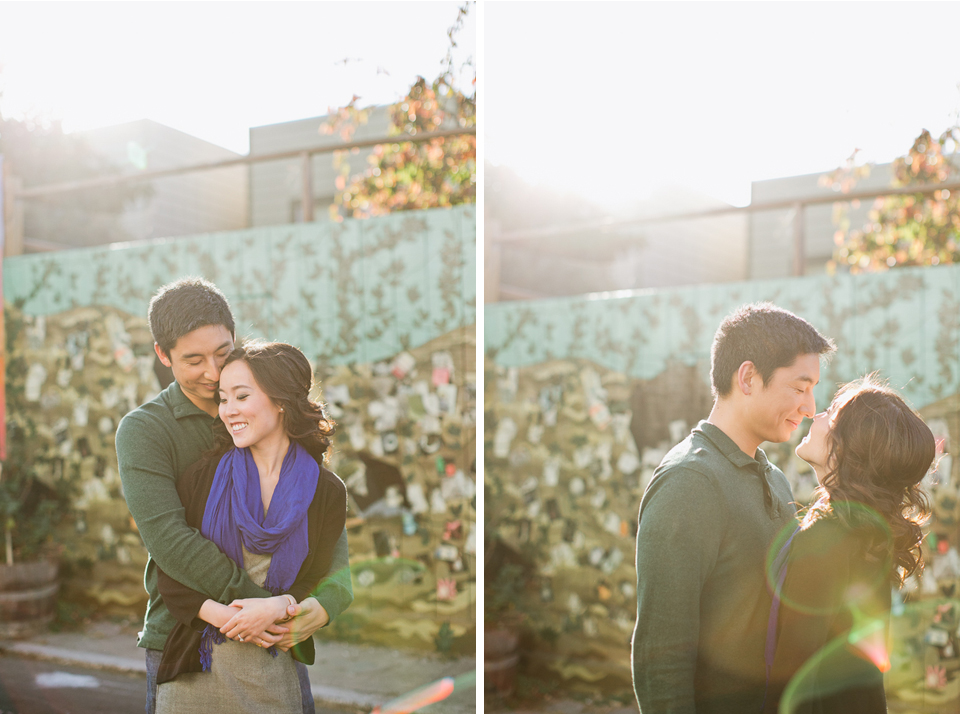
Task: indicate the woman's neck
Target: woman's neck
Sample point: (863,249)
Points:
(268,455)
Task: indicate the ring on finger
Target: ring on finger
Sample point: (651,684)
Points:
(240,638)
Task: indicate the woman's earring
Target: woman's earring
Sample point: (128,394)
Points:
(281,409)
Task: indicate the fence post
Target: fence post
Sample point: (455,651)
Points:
(306,188)
(799,252)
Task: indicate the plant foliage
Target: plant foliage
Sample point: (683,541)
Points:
(406,175)
(909,229)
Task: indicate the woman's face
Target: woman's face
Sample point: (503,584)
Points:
(815,447)
(249,414)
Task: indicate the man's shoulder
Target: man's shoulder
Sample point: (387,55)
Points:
(689,470)
(158,408)
(161,406)
(161,422)
(692,455)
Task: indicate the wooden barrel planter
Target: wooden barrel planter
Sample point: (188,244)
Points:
(501,655)
(28,597)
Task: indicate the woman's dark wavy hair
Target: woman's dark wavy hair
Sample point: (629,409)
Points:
(285,375)
(879,451)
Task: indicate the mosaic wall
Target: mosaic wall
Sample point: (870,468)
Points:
(384,308)
(584,396)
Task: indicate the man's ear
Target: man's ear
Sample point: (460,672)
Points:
(746,378)
(164,360)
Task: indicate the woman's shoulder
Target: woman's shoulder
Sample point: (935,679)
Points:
(330,481)
(830,537)
(330,488)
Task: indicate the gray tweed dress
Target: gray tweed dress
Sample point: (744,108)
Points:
(242,678)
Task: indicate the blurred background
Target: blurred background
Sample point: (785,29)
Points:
(649,167)
(317,161)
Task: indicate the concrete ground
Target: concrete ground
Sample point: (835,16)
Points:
(345,676)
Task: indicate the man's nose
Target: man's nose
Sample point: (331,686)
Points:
(212,369)
(809,407)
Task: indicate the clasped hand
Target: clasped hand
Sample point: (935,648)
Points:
(258,620)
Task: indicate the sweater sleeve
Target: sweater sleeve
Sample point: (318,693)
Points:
(149,486)
(678,537)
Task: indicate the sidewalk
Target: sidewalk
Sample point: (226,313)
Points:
(347,676)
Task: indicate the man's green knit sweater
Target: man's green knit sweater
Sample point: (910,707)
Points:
(706,521)
(155,444)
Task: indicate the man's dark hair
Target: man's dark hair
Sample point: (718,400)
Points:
(184,306)
(766,335)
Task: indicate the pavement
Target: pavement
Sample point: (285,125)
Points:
(344,676)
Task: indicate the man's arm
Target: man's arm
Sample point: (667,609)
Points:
(677,544)
(149,486)
(334,592)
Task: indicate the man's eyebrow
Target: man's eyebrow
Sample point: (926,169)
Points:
(200,354)
(809,380)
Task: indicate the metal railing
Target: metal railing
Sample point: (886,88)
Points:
(493,289)
(15,194)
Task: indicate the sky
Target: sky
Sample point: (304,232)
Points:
(215,69)
(620,101)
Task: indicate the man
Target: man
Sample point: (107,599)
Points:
(708,516)
(193,330)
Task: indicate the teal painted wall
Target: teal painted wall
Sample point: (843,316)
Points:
(358,291)
(905,323)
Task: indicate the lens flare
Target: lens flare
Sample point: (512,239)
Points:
(833,672)
(429,694)
(869,640)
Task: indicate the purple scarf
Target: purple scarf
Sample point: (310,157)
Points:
(234,517)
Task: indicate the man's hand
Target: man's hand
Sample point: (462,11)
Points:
(256,620)
(306,618)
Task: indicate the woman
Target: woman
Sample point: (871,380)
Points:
(263,496)
(861,536)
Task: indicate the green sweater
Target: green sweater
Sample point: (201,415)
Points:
(702,597)
(156,442)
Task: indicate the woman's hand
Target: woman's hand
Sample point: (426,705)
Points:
(216,614)
(306,618)
(256,620)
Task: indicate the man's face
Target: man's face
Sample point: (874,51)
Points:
(775,411)
(196,360)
